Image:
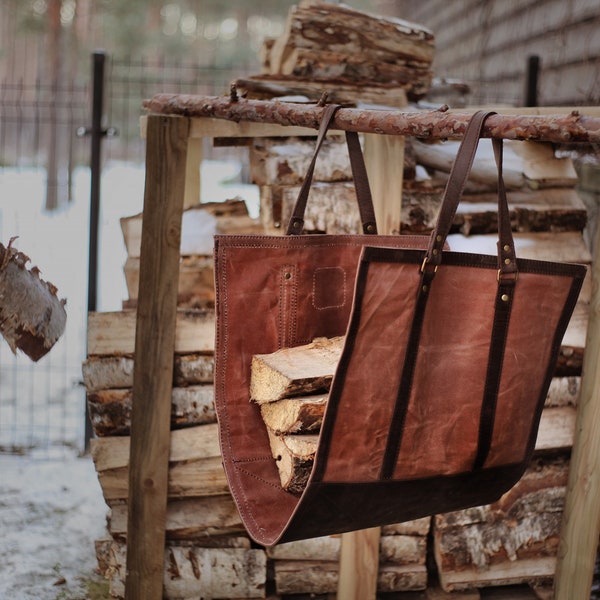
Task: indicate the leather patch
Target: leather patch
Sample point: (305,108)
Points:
(329,287)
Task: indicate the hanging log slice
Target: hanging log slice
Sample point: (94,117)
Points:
(32,318)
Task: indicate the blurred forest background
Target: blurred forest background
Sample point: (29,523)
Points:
(182,46)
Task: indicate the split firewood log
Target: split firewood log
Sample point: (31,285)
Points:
(32,318)
(295,371)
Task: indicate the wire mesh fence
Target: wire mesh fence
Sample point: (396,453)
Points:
(44,200)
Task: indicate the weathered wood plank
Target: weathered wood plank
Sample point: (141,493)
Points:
(155,333)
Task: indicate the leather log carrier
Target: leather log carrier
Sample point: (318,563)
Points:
(436,401)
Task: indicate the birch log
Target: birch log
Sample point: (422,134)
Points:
(562,127)
(32,318)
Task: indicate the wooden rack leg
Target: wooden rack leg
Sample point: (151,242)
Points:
(359,565)
(167,140)
(581,518)
(384,160)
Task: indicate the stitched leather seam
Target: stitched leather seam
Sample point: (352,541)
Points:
(314,289)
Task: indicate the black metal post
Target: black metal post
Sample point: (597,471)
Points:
(531,80)
(97,133)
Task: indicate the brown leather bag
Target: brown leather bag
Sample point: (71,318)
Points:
(436,401)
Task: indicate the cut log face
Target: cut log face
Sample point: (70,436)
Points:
(32,318)
(294,415)
(296,371)
(295,455)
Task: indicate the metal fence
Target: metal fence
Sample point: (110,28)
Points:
(44,199)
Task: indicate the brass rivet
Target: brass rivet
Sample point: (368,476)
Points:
(504,297)
(425,288)
(288,275)
(369,228)
(438,238)
(506,247)
(435,252)
(507,261)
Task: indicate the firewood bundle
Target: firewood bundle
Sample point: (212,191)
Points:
(353,55)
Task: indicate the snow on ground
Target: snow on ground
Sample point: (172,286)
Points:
(51,505)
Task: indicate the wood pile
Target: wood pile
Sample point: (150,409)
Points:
(203,527)
(353,55)
(196,274)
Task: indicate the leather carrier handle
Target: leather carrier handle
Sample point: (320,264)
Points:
(359,174)
(507,264)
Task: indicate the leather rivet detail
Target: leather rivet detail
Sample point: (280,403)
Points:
(506,248)
(435,252)
(438,238)
(507,261)
(504,297)
(288,275)
(425,288)
(369,228)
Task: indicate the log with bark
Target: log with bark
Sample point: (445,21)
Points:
(194,571)
(114,372)
(436,124)
(110,410)
(349,50)
(195,464)
(510,541)
(32,318)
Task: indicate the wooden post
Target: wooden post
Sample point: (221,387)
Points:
(192,183)
(359,565)
(581,518)
(167,141)
(384,159)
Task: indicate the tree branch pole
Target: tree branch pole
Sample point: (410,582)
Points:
(437,124)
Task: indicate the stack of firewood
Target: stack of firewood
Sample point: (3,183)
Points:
(352,55)
(203,527)
(196,274)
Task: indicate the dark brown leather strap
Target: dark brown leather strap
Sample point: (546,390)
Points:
(453,193)
(359,174)
(507,276)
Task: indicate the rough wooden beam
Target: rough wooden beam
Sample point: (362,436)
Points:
(154,348)
(439,124)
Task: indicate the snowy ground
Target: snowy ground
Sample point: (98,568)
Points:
(51,505)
